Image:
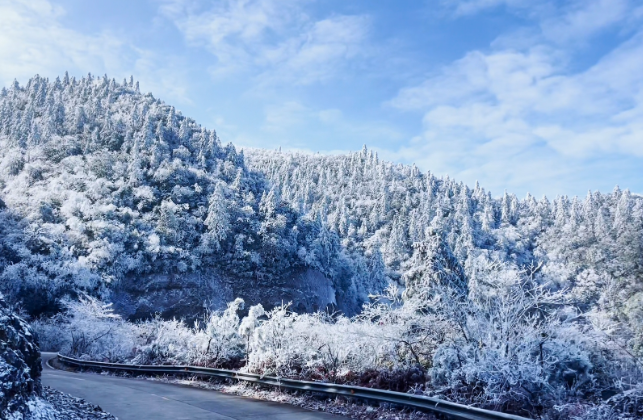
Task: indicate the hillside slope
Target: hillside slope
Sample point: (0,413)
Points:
(592,247)
(112,192)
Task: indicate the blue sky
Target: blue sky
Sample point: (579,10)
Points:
(546,99)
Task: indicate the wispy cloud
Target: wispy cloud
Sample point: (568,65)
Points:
(33,40)
(273,41)
(514,113)
(470,7)
(559,22)
(580,20)
(531,95)
(165,76)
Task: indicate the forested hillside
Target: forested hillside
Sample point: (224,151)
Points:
(590,247)
(112,192)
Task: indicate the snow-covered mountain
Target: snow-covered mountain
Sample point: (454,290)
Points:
(112,192)
(388,209)
(592,247)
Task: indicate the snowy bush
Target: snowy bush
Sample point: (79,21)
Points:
(168,342)
(89,329)
(50,334)
(522,348)
(384,338)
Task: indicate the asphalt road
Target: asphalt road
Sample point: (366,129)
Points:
(136,399)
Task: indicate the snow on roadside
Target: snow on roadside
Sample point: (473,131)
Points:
(71,408)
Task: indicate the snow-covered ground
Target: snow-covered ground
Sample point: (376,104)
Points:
(68,407)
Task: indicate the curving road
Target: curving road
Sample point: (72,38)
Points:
(135,399)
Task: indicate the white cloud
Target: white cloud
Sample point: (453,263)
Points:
(512,114)
(581,19)
(275,40)
(318,53)
(494,95)
(574,21)
(33,40)
(508,74)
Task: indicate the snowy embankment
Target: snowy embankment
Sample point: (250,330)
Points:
(71,408)
(22,396)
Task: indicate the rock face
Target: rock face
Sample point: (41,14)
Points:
(170,295)
(186,296)
(20,366)
(306,289)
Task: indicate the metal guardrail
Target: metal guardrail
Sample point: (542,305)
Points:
(434,405)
